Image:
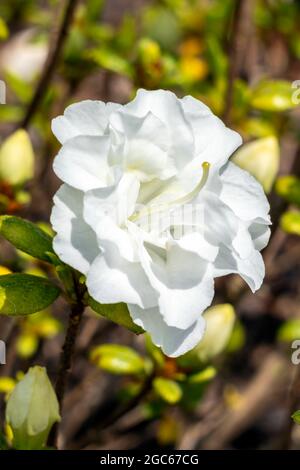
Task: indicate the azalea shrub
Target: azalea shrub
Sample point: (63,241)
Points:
(149,196)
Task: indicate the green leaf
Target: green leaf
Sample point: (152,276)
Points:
(290,222)
(288,187)
(23,294)
(169,390)
(26,236)
(273,95)
(289,331)
(117,359)
(110,60)
(21,88)
(118,313)
(204,375)
(10,113)
(296,416)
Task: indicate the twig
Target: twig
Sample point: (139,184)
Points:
(75,317)
(234,56)
(52,59)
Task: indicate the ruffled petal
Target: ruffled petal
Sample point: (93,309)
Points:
(75,242)
(112,279)
(173,341)
(84,118)
(182,279)
(82,163)
(214,142)
(166,107)
(243,194)
(251,269)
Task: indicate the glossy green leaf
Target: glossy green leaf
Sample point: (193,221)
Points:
(117,359)
(118,313)
(288,187)
(26,236)
(23,294)
(290,222)
(273,95)
(169,390)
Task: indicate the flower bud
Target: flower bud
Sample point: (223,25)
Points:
(219,325)
(16,159)
(32,409)
(261,159)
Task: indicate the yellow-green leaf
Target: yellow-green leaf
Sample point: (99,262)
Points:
(27,344)
(296,417)
(203,376)
(289,331)
(117,359)
(290,222)
(4,32)
(169,390)
(273,95)
(288,187)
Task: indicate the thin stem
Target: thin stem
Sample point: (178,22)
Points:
(52,59)
(234,54)
(67,354)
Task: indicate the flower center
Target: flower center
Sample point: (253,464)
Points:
(146,211)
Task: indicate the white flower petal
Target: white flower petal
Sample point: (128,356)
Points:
(243,243)
(260,235)
(251,269)
(214,142)
(173,341)
(117,201)
(165,105)
(243,194)
(82,162)
(75,242)
(183,281)
(83,118)
(112,279)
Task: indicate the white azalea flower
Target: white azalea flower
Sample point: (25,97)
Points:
(151,210)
